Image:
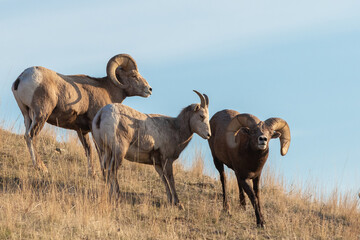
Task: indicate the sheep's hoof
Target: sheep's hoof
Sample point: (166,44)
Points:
(261,225)
(41,167)
(180,206)
(226,212)
(60,150)
(92,173)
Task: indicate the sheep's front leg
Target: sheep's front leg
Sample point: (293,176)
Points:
(246,185)
(168,171)
(256,183)
(242,198)
(160,171)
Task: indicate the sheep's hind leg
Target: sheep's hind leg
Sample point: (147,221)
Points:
(105,156)
(220,167)
(37,123)
(85,141)
(112,176)
(114,161)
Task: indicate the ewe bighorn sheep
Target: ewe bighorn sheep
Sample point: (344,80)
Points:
(122,132)
(71,101)
(241,142)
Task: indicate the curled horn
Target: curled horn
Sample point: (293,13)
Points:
(240,120)
(202,98)
(124,61)
(281,126)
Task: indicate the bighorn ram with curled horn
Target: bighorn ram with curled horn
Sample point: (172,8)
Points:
(122,132)
(241,142)
(71,101)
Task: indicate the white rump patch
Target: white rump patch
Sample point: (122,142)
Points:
(30,80)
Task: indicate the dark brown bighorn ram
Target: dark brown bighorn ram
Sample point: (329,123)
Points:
(241,142)
(71,101)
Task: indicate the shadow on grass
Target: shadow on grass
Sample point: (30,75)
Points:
(44,186)
(134,198)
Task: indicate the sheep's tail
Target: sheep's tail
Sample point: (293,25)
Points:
(97,120)
(16,84)
(96,133)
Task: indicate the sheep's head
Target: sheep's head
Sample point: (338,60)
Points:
(199,120)
(136,84)
(258,132)
(259,136)
(123,73)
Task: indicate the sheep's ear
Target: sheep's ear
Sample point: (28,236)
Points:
(196,108)
(245,130)
(276,135)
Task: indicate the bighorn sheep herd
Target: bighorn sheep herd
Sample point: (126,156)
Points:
(86,104)
(71,101)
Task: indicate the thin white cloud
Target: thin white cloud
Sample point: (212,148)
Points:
(161,30)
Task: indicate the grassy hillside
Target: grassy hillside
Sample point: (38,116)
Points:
(66,204)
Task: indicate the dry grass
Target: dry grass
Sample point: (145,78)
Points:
(66,204)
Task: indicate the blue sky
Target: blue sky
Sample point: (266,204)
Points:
(298,60)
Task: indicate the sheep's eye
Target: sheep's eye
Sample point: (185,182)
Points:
(134,76)
(202,117)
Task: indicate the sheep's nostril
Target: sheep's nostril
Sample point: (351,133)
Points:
(263,139)
(150,89)
(209,135)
